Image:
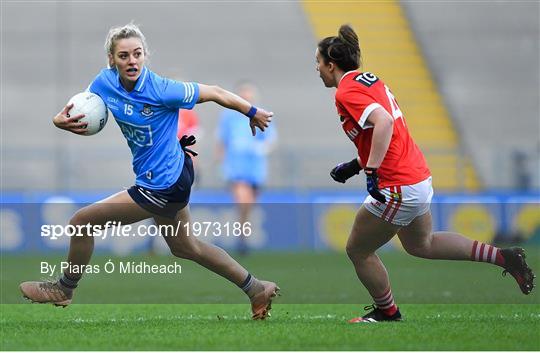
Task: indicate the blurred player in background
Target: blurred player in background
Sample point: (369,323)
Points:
(244,157)
(145,106)
(188,125)
(398,181)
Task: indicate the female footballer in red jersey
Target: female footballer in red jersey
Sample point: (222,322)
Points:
(398,182)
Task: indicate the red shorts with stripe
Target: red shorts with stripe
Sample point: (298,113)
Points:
(404,203)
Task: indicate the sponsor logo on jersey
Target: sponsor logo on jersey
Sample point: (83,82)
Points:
(111,103)
(351,128)
(366,78)
(352,133)
(141,135)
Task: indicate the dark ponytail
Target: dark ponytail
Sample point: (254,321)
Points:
(343,50)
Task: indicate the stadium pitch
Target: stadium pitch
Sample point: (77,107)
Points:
(446,306)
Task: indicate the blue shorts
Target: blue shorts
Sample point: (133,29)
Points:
(166,202)
(256,187)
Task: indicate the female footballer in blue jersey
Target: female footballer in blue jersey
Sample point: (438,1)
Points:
(244,158)
(145,106)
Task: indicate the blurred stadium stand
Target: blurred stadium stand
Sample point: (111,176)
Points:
(485,57)
(478,61)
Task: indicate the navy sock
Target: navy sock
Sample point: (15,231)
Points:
(69,282)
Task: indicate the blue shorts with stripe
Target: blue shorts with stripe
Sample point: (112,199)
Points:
(166,202)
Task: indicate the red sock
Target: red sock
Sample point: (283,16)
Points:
(486,253)
(386,303)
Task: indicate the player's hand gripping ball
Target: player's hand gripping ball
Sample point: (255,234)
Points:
(94,110)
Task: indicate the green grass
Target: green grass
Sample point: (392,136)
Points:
(446,306)
(291,327)
(311,278)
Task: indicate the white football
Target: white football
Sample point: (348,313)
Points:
(94,110)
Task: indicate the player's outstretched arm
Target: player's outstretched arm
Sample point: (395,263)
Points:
(70,123)
(259,118)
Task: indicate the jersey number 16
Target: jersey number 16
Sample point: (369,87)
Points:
(396,112)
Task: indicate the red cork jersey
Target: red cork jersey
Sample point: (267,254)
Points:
(360,93)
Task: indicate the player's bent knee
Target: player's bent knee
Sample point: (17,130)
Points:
(350,251)
(80,218)
(178,252)
(188,252)
(418,251)
(356,252)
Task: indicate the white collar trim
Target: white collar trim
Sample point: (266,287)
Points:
(345,74)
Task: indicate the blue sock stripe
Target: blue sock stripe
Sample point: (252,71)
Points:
(247,283)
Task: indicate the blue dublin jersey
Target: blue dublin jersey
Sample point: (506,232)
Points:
(245,155)
(148,118)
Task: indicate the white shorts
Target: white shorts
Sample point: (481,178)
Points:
(404,203)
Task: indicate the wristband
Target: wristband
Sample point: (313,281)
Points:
(369,170)
(251,113)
